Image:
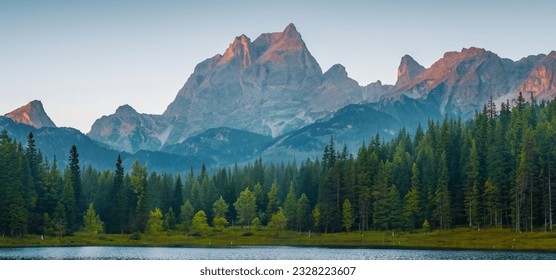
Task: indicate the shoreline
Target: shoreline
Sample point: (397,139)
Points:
(490,239)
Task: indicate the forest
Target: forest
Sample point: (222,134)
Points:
(495,170)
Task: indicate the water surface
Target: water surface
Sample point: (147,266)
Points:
(260,253)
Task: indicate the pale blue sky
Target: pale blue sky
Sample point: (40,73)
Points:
(85,58)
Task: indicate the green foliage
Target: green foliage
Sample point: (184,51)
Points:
(246,207)
(154,224)
(347,215)
(135,236)
(220,223)
(256,223)
(277,222)
(303,214)
(220,208)
(316,216)
(426,227)
(91,221)
(273,202)
(140,189)
(199,226)
(290,207)
(169,220)
(495,170)
(186,215)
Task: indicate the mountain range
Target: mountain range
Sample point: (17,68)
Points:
(269,98)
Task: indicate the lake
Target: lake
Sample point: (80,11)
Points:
(259,253)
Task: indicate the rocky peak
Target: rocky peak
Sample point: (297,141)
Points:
(240,48)
(336,72)
(31,114)
(291,31)
(126,110)
(408,70)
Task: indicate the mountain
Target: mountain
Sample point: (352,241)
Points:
(32,114)
(352,125)
(262,86)
(270,97)
(269,86)
(129,131)
(56,142)
(462,82)
(224,146)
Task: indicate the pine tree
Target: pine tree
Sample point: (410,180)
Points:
(186,215)
(273,202)
(220,208)
(177,199)
(290,207)
(412,204)
(472,192)
(442,196)
(492,203)
(246,207)
(199,225)
(169,220)
(154,223)
(140,188)
(303,216)
(91,221)
(277,222)
(14,215)
(75,172)
(347,215)
(118,203)
(70,205)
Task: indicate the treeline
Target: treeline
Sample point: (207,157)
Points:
(495,170)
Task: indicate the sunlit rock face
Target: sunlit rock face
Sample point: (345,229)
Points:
(264,86)
(32,114)
(462,82)
(541,81)
(272,87)
(408,70)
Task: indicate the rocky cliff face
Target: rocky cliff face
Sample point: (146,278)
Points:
(541,81)
(462,82)
(264,86)
(408,70)
(32,114)
(273,87)
(270,86)
(129,131)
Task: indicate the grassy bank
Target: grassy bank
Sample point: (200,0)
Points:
(459,238)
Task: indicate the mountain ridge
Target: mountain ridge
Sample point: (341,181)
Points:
(272,91)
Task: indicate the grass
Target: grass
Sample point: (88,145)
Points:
(458,238)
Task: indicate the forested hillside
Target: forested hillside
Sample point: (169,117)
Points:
(493,171)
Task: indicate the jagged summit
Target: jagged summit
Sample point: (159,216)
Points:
(408,70)
(31,114)
(273,86)
(291,31)
(274,70)
(337,71)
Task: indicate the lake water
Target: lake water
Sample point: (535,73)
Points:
(259,253)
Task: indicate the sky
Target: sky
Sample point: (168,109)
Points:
(83,59)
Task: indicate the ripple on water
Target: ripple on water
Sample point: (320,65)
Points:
(259,253)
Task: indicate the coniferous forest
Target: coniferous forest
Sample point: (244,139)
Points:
(493,171)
